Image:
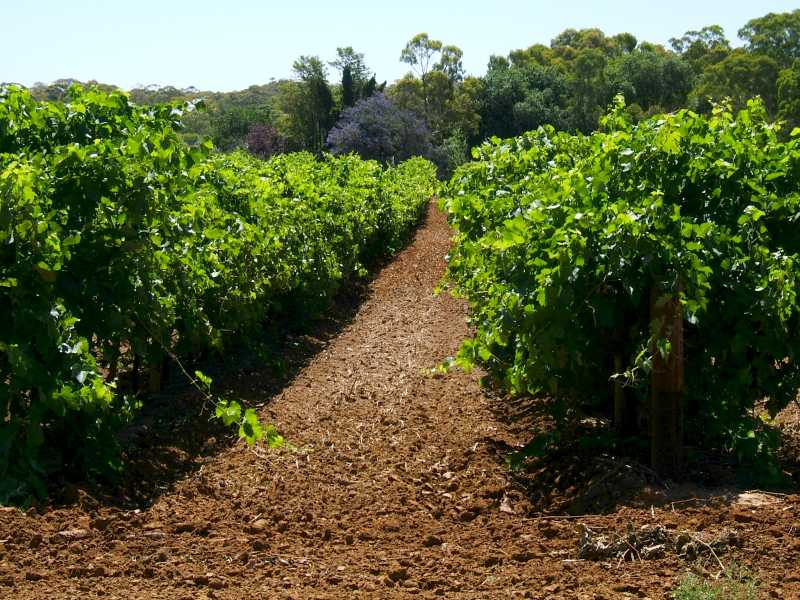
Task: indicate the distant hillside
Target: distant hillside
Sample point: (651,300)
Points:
(227,119)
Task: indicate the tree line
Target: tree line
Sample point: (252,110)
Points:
(435,110)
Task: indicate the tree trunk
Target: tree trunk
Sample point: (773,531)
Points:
(154,372)
(666,385)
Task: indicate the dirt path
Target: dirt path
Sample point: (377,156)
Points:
(397,491)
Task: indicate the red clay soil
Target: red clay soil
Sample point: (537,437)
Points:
(395,488)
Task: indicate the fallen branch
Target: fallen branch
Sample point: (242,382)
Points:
(714,554)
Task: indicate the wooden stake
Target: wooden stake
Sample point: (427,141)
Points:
(666,384)
(619,398)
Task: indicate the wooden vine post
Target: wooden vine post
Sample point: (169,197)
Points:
(619,399)
(666,384)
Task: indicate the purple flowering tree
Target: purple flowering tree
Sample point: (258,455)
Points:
(375,128)
(263,140)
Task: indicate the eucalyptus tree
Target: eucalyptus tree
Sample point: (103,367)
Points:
(776,35)
(307,105)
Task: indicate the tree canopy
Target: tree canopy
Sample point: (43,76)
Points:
(567,83)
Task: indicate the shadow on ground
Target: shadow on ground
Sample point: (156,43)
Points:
(584,472)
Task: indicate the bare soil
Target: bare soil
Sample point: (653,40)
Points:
(395,487)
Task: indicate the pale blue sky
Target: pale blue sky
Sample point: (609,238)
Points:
(234,43)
